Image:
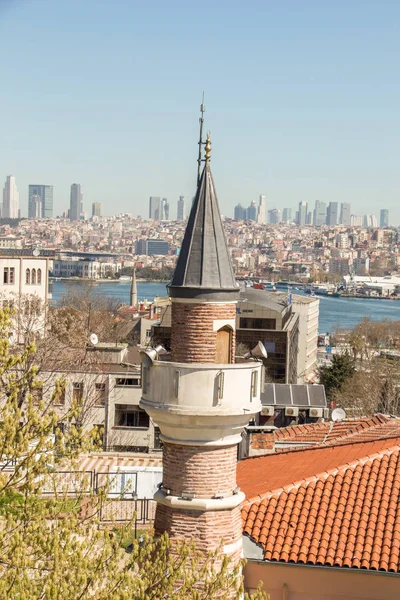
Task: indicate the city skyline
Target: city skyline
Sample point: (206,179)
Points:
(308,124)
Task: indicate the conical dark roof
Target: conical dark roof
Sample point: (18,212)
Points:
(204,268)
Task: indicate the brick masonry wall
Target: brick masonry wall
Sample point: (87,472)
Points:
(199,470)
(192,337)
(206,528)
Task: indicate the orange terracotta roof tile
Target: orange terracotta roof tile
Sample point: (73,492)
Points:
(332,506)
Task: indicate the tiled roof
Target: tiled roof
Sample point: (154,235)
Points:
(109,462)
(331,506)
(327,432)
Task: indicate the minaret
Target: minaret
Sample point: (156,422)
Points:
(133,288)
(202,399)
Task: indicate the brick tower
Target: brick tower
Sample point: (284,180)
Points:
(202,399)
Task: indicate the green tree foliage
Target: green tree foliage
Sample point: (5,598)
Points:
(335,375)
(51,546)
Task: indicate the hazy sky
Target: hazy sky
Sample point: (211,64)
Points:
(302,100)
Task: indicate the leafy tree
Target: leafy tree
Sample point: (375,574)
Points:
(334,376)
(51,547)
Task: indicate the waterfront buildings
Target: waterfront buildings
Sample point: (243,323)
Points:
(40,201)
(10,208)
(75,204)
(154,208)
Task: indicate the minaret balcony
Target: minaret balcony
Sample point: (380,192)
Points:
(202,404)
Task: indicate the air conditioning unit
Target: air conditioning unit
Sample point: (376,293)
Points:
(268,411)
(317,413)
(291,411)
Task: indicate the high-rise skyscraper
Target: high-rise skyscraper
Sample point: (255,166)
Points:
(96,209)
(303,210)
(274,216)
(181,209)
(319,213)
(251,212)
(356,221)
(384,218)
(164,216)
(370,221)
(10,199)
(345,213)
(240,212)
(332,214)
(75,204)
(43,195)
(262,210)
(154,208)
(287,215)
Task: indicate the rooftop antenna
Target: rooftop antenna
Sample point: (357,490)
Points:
(201,143)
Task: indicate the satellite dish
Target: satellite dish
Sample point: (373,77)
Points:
(36,252)
(258,351)
(94,340)
(338,414)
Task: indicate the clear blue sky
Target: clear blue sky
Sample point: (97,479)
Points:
(302,97)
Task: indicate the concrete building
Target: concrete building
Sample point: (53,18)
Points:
(24,286)
(40,201)
(384,218)
(340,266)
(332,214)
(356,221)
(181,209)
(202,400)
(75,202)
(10,199)
(96,209)
(307,308)
(154,208)
(319,213)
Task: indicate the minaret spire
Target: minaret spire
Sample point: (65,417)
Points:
(133,288)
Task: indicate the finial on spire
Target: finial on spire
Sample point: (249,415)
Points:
(201,143)
(208,148)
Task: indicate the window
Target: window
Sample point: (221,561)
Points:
(131,416)
(9,275)
(39,276)
(33,278)
(254,384)
(27,276)
(250,323)
(100,394)
(37,394)
(77,391)
(127,381)
(59,396)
